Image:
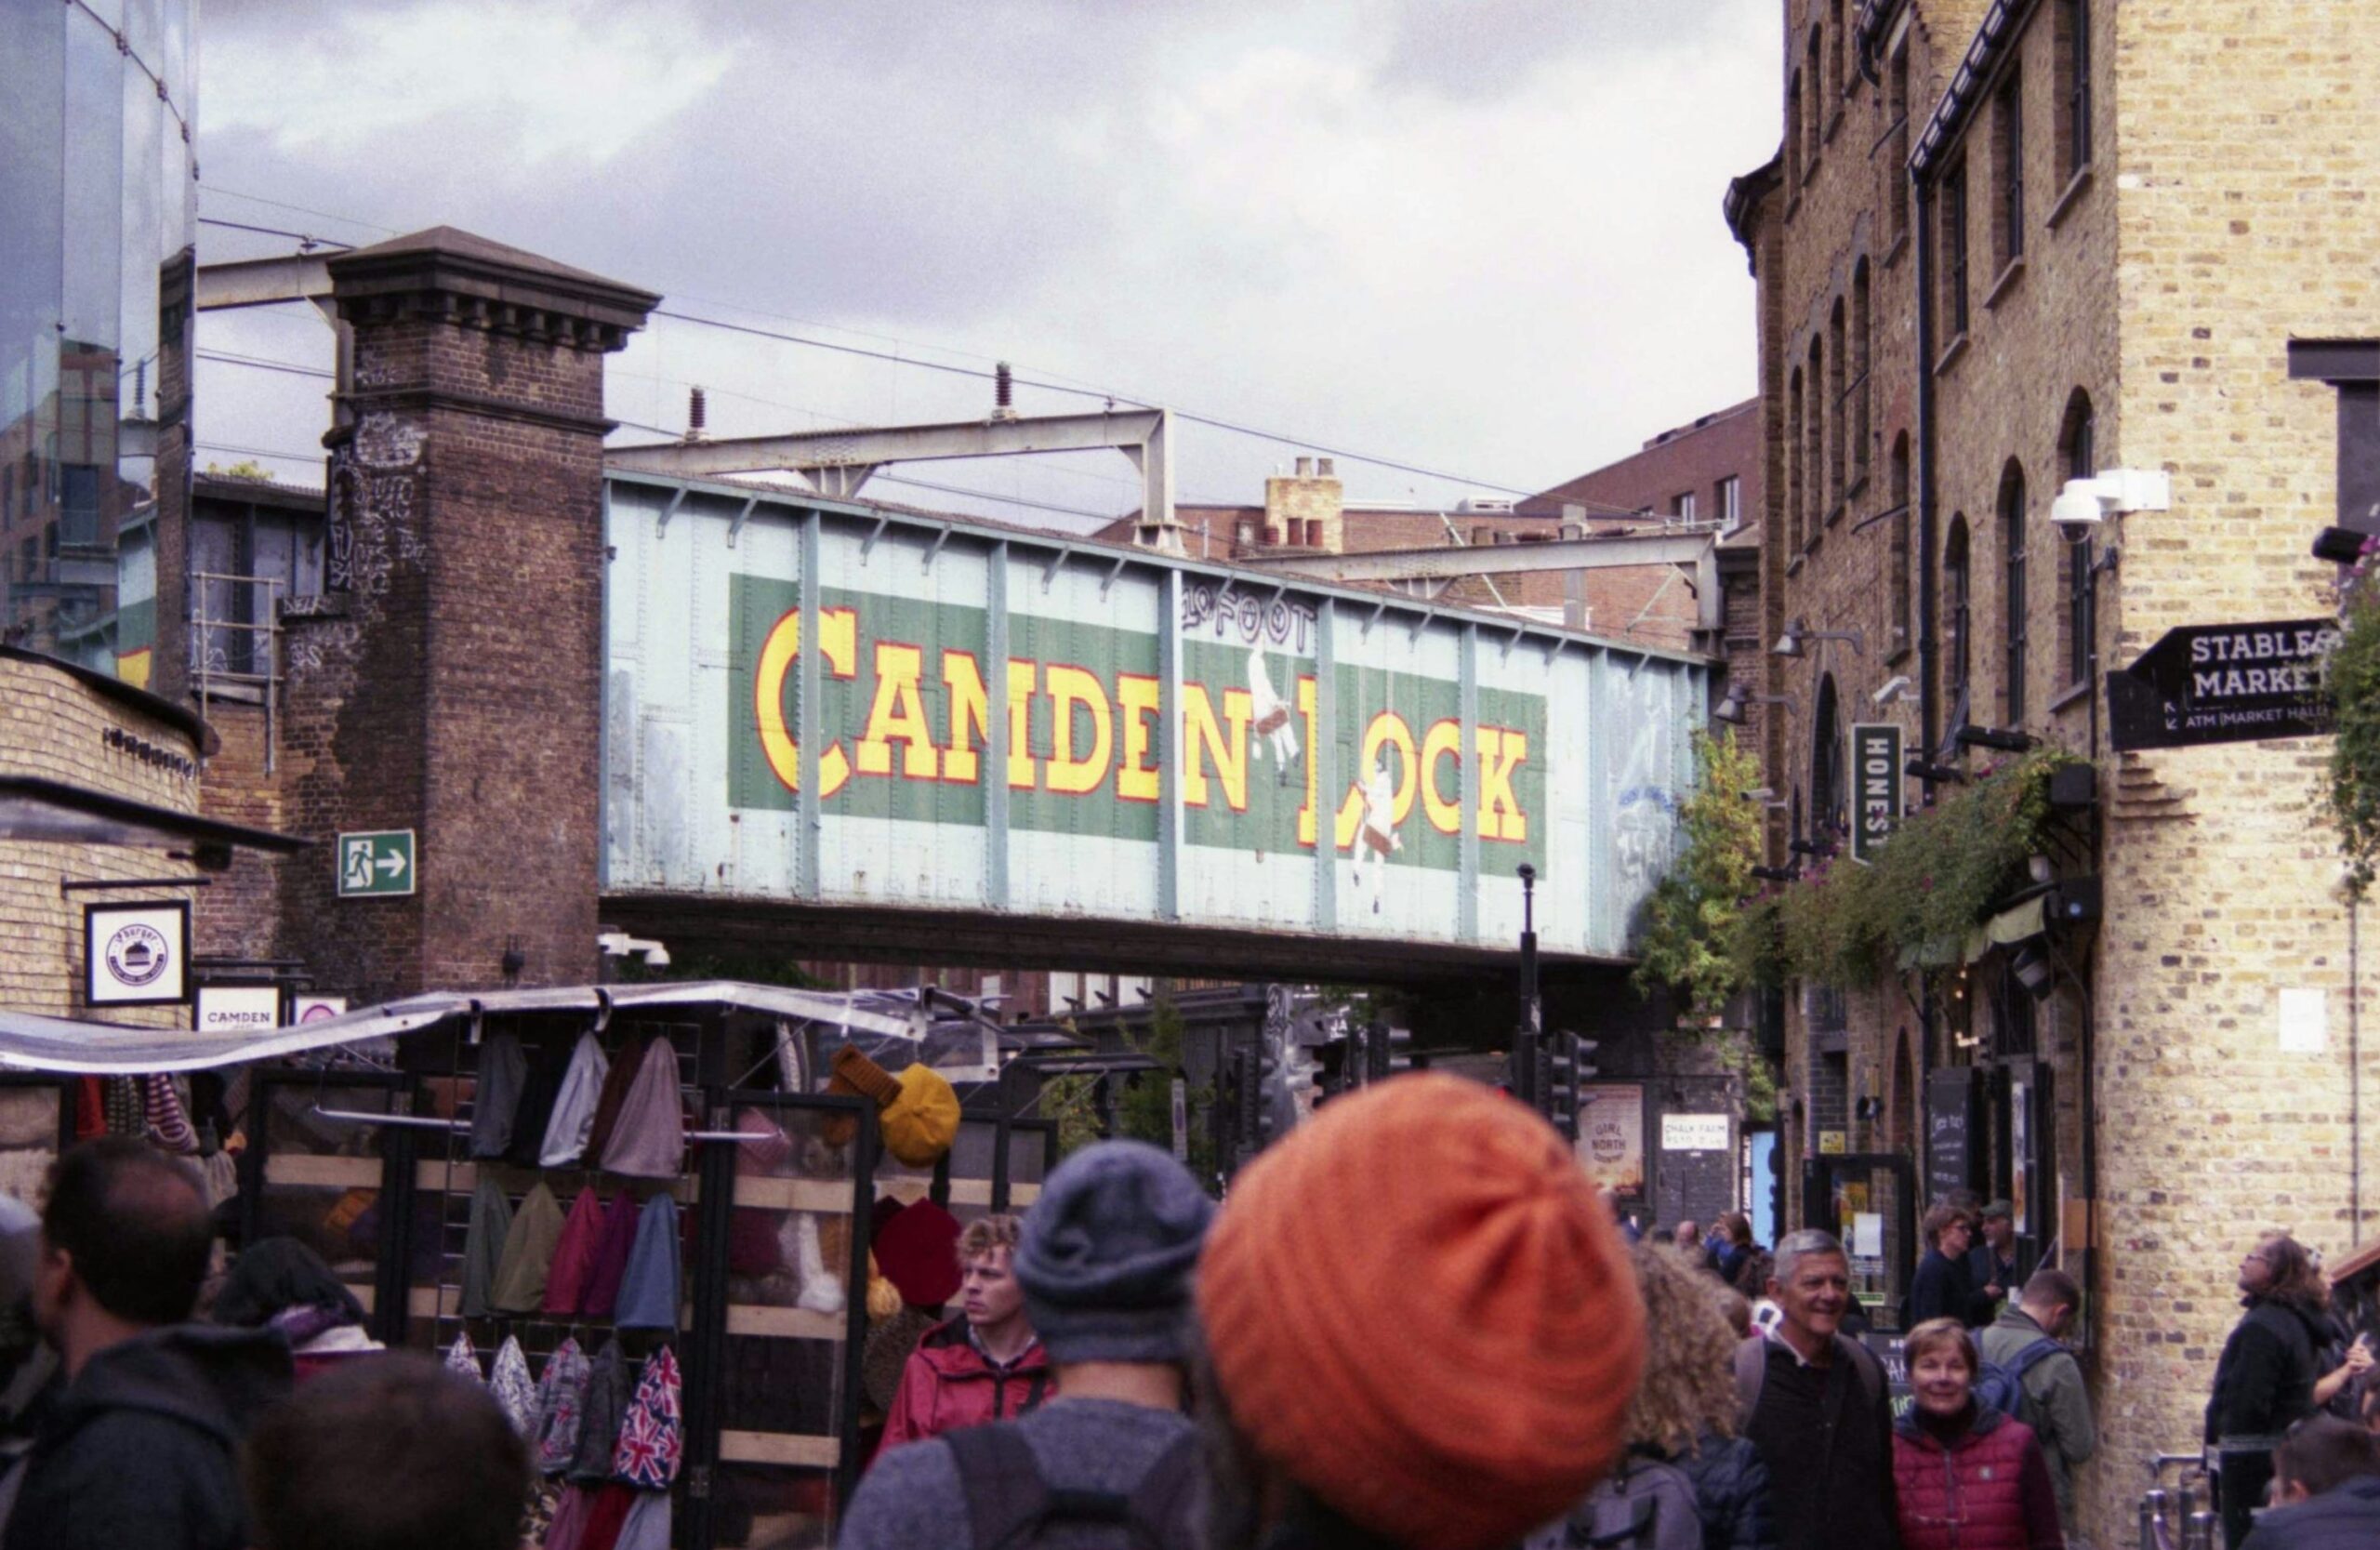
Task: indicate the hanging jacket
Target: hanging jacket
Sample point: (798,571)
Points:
(484,1245)
(528,1254)
(2265,1378)
(1985,1488)
(947,1384)
(496,1097)
(141,1452)
(574,1262)
(602,1293)
(648,1296)
(574,1111)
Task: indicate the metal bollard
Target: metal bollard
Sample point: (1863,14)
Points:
(2201,1535)
(2152,1519)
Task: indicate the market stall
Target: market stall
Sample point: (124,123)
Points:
(641,1214)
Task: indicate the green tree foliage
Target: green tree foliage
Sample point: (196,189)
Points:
(1690,944)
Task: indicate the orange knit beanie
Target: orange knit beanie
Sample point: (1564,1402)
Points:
(1417,1307)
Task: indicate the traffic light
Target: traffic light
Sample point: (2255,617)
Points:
(1563,1062)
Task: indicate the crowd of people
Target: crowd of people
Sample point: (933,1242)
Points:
(1412,1324)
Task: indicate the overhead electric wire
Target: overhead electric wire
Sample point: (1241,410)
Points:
(949,368)
(301,209)
(305,237)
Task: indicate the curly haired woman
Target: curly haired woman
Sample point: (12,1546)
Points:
(1684,1413)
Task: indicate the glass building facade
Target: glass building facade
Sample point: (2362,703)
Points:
(98,216)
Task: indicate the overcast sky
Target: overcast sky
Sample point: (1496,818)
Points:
(1481,236)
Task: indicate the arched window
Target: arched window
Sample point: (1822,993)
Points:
(1814,440)
(1834,407)
(2012,548)
(2080,459)
(1896,585)
(1793,413)
(1835,82)
(1862,387)
(1812,67)
(1830,818)
(1958,597)
(1793,138)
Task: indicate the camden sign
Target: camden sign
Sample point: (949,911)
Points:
(1875,777)
(2225,683)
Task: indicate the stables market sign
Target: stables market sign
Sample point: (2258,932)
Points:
(2225,683)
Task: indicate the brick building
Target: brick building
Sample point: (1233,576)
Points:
(1708,471)
(2003,245)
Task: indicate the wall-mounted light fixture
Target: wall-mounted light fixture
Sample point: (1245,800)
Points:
(1730,712)
(1895,687)
(1926,770)
(2005,739)
(1789,644)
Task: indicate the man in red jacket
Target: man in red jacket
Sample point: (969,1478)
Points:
(986,1364)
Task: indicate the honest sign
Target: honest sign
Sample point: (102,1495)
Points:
(376,863)
(2224,683)
(1875,775)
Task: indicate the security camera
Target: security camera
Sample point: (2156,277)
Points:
(2077,510)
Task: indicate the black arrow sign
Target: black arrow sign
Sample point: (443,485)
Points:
(2225,683)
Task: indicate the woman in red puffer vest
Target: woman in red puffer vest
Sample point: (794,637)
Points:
(1968,1477)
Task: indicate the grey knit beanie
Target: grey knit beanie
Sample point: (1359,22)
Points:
(1107,1252)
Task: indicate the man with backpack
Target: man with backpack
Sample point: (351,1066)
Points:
(1815,1404)
(1105,1262)
(2029,1372)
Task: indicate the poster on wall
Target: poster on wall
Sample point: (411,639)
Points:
(1611,1137)
(227,1008)
(136,954)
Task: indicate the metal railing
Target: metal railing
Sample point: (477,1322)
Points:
(228,650)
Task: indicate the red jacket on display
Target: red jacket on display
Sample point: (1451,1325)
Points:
(947,1383)
(1984,1488)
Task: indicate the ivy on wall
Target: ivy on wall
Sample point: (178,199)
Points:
(1939,877)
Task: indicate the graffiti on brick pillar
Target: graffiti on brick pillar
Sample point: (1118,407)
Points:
(339,566)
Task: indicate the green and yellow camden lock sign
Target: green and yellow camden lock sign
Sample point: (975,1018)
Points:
(375,864)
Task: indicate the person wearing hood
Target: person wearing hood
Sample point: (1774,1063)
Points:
(141,1449)
(1103,1263)
(1966,1476)
(281,1284)
(2265,1378)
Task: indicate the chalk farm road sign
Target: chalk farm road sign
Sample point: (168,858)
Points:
(375,864)
(1876,775)
(2225,683)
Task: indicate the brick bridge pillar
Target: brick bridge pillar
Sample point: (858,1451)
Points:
(449,680)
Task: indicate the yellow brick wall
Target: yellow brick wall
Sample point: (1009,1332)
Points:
(2226,210)
(53,726)
(2248,143)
